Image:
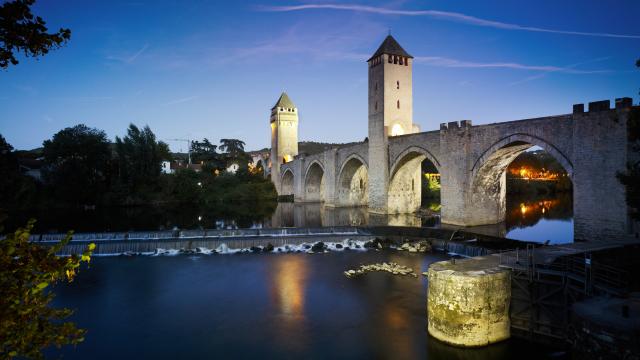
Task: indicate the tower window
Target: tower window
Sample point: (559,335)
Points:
(398,85)
(395,59)
(398,104)
(401,60)
(406,61)
(390,59)
(412,184)
(361,184)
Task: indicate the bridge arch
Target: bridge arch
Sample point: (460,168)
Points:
(501,146)
(488,174)
(353,182)
(314,182)
(287,182)
(406,178)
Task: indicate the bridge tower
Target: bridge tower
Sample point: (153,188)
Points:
(284,136)
(390,113)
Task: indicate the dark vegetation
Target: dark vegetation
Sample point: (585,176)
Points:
(21,32)
(81,168)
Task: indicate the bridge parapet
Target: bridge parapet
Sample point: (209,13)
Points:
(462,124)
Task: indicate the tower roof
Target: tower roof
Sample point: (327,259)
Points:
(390,46)
(284,102)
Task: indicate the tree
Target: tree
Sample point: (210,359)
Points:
(233,147)
(205,152)
(234,152)
(139,158)
(22,32)
(631,178)
(27,323)
(76,164)
(17,191)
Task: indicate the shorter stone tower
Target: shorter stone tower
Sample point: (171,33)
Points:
(284,135)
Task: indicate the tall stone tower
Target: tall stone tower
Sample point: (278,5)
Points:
(390,113)
(284,135)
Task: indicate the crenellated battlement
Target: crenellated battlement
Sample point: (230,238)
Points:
(452,125)
(604,105)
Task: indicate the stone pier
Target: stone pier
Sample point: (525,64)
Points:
(468,302)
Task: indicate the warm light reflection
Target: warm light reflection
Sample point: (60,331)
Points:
(536,207)
(289,286)
(287,158)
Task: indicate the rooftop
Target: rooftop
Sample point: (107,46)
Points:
(284,102)
(390,46)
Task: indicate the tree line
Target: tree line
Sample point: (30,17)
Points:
(81,167)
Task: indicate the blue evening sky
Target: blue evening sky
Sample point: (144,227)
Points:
(214,68)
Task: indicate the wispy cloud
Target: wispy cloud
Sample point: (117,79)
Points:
(128,59)
(567,68)
(181,100)
(444,15)
(455,63)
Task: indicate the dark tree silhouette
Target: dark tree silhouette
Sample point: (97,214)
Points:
(76,164)
(233,147)
(22,32)
(139,158)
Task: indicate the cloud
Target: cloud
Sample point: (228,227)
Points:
(130,58)
(567,68)
(455,63)
(181,100)
(444,15)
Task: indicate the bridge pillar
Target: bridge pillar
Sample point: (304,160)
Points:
(378,165)
(600,151)
(330,173)
(455,173)
(298,178)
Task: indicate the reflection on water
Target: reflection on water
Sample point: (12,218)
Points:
(527,218)
(259,306)
(288,281)
(540,219)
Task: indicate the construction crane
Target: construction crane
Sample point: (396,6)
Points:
(188,141)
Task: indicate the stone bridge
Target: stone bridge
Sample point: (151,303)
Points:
(472,160)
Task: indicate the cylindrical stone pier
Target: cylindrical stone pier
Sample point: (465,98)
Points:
(468,302)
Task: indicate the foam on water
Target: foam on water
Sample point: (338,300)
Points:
(224,249)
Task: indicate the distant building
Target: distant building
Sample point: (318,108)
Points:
(170,167)
(233,168)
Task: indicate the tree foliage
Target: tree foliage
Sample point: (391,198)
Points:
(76,164)
(139,156)
(204,152)
(27,323)
(16,189)
(22,32)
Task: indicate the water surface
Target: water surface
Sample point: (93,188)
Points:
(285,306)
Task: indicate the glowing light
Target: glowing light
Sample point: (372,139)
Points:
(523,209)
(287,158)
(397,130)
